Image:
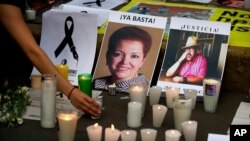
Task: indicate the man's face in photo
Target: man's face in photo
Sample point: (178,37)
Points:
(191,54)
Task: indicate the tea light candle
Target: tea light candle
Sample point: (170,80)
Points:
(85,83)
(189,129)
(134,114)
(170,94)
(193,94)
(159,112)
(148,134)
(211,90)
(94,132)
(63,69)
(67,126)
(172,135)
(112,134)
(138,93)
(154,95)
(128,135)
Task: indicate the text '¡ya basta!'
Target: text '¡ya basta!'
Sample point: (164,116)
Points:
(138,18)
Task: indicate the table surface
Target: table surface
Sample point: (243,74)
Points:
(115,111)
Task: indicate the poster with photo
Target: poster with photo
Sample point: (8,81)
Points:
(129,50)
(196,49)
(69,38)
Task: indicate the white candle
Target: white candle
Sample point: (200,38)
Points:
(159,112)
(67,126)
(182,110)
(30,14)
(94,132)
(112,89)
(128,135)
(138,92)
(148,134)
(154,95)
(172,135)
(112,134)
(211,90)
(170,94)
(134,114)
(193,94)
(48,101)
(189,129)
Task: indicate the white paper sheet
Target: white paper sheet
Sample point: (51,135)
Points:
(217,137)
(102,14)
(106,4)
(81,30)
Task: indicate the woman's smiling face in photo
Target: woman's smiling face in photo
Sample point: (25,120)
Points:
(126,60)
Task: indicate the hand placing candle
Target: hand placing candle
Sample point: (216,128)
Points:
(128,135)
(170,94)
(67,125)
(189,129)
(94,132)
(159,112)
(112,134)
(148,134)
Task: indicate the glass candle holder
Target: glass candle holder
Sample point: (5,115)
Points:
(85,83)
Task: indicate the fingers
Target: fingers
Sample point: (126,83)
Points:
(85,103)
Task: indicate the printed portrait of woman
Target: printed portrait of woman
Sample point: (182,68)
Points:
(126,52)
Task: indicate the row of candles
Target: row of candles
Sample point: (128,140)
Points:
(189,129)
(182,106)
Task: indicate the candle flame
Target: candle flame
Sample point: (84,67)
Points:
(96,125)
(148,132)
(112,127)
(159,107)
(127,133)
(189,122)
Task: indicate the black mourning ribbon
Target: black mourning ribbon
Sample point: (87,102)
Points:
(67,39)
(98,2)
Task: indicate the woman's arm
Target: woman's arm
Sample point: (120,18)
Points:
(11,17)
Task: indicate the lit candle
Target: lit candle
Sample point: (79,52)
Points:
(36,81)
(182,110)
(63,69)
(148,134)
(67,125)
(85,83)
(94,132)
(112,134)
(138,92)
(189,129)
(154,95)
(193,94)
(211,90)
(112,89)
(134,114)
(172,135)
(159,112)
(128,135)
(170,94)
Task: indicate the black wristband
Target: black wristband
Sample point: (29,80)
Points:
(185,80)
